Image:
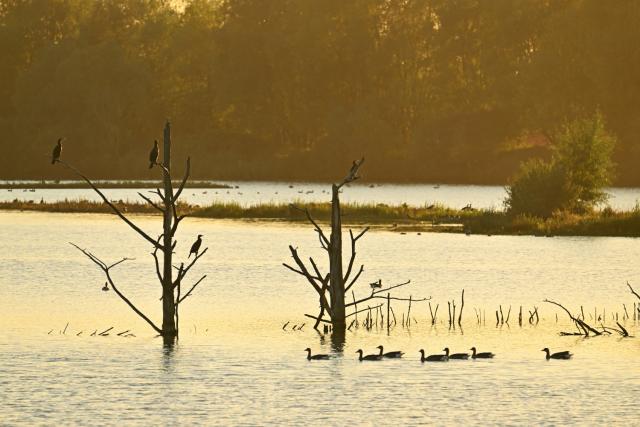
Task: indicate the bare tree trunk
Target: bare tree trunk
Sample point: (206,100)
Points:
(336,279)
(168,302)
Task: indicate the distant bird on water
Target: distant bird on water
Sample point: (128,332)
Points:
(57,150)
(196,246)
(105,287)
(153,155)
(559,355)
(484,355)
(316,356)
(390,354)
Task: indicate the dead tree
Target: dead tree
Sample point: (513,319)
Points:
(165,244)
(336,283)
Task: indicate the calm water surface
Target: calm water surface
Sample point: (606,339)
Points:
(236,366)
(251,193)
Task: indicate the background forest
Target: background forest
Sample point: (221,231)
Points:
(456,91)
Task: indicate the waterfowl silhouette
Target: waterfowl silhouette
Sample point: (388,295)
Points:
(377,284)
(57,150)
(484,355)
(316,356)
(369,356)
(196,246)
(458,356)
(433,357)
(559,355)
(390,354)
(153,155)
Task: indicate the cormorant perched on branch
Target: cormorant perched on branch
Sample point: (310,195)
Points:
(196,246)
(153,155)
(56,152)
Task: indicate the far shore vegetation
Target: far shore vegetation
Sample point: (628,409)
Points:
(10,185)
(399,218)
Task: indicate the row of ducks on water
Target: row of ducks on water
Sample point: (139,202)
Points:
(563,355)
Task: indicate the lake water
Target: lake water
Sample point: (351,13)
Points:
(252,193)
(235,365)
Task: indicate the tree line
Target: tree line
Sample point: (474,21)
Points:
(432,90)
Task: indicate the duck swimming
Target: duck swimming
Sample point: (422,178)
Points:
(390,354)
(316,356)
(433,357)
(484,355)
(559,355)
(369,356)
(458,356)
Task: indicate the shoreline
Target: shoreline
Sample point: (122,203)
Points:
(397,218)
(126,184)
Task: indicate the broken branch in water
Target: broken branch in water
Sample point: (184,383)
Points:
(579,323)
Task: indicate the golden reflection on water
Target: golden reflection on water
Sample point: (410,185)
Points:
(233,350)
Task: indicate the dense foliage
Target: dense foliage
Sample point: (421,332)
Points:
(573,179)
(431,90)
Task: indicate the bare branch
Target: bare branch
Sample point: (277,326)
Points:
(293,269)
(195,259)
(318,319)
(374,294)
(632,291)
(151,202)
(120,262)
(364,309)
(312,280)
(184,181)
(315,268)
(111,205)
(191,290)
(157,262)
(324,242)
(355,278)
(390,287)
(353,252)
(577,321)
(106,269)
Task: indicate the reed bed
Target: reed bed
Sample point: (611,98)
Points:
(401,218)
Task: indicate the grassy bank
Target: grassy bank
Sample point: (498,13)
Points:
(400,218)
(19,185)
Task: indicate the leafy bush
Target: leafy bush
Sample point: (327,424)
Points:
(574,178)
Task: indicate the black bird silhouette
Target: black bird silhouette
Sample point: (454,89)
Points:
(369,356)
(485,355)
(559,355)
(57,150)
(196,246)
(390,354)
(316,356)
(153,155)
(460,356)
(377,284)
(433,357)
(105,287)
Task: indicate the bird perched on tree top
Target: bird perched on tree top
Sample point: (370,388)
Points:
(153,155)
(56,152)
(196,246)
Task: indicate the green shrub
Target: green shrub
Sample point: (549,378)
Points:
(574,178)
